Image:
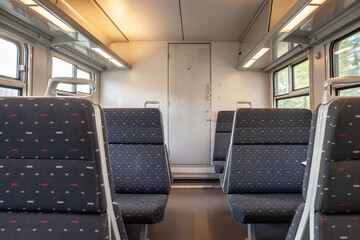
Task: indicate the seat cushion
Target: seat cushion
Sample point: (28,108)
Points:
(219,166)
(55,226)
(264,208)
(142,208)
(139,168)
(295,222)
(331,227)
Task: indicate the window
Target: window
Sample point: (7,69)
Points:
(291,86)
(83,88)
(282,82)
(346,61)
(62,68)
(294,102)
(12,65)
(10,92)
(8,59)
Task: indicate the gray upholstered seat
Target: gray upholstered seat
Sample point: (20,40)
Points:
(142,208)
(223,130)
(264,174)
(52,184)
(139,163)
(337,209)
(264,208)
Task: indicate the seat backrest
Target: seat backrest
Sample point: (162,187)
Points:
(268,146)
(223,130)
(49,158)
(338,189)
(137,150)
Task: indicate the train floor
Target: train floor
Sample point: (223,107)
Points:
(197,214)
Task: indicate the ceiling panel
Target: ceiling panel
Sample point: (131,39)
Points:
(215,20)
(144,20)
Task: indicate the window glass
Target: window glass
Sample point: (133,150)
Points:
(347,56)
(281,82)
(301,75)
(83,88)
(294,102)
(9,92)
(8,59)
(349,92)
(61,68)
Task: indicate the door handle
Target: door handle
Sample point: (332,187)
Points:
(208,92)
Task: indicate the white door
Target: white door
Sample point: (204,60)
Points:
(189,104)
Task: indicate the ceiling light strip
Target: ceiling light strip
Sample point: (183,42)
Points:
(28,2)
(302,15)
(107,56)
(49,16)
(116,62)
(258,55)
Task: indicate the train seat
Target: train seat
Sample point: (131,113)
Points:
(336,202)
(223,130)
(139,163)
(52,163)
(263,174)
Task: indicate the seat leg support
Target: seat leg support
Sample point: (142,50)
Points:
(143,232)
(137,231)
(267,231)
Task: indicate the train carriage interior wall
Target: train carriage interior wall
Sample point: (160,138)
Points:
(180,119)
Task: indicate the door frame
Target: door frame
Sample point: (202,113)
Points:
(191,170)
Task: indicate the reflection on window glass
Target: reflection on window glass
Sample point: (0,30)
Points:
(8,59)
(9,92)
(301,75)
(295,102)
(61,68)
(83,88)
(347,56)
(349,92)
(281,82)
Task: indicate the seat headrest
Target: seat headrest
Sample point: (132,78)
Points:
(134,125)
(224,121)
(271,126)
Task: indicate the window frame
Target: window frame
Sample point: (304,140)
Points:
(23,66)
(75,65)
(334,67)
(294,96)
(292,92)
(293,74)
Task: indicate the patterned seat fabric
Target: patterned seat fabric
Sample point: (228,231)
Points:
(296,220)
(139,163)
(142,208)
(264,208)
(223,130)
(50,170)
(265,161)
(338,195)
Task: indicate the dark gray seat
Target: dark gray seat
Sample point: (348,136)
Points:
(336,211)
(223,130)
(142,208)
(139,163)
(297,217)
(337,208)
(51,171)
(264,173)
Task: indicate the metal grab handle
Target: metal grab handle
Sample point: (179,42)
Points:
(341,80)
(243,102)
(337,81)
(151,102)
(54,82)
